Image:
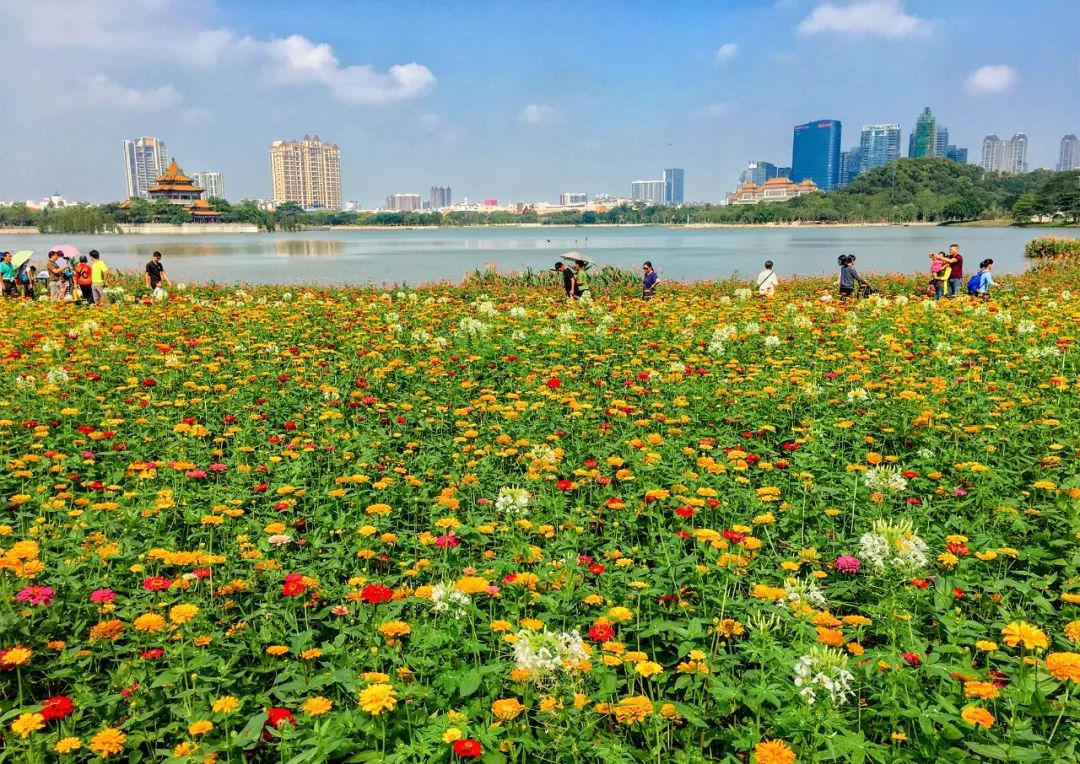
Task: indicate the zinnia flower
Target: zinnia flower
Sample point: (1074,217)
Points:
(1064,666)
(773,752)
(1022,632)
(845,563)
(977,716)
(317,706)
(108,742)
(181,614)
(35,595)
(507,709)
(374,594)
(378,698)
(467,748)
(57,707)
(27,723)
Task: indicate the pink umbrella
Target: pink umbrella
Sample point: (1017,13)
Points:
(67,250)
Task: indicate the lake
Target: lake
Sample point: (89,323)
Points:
(413,256)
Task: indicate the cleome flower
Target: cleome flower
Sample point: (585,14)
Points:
(822,674)
(893,548)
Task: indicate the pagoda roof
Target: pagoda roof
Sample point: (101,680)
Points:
(174,180)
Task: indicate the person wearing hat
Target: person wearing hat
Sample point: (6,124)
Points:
(7,275)
(567,278)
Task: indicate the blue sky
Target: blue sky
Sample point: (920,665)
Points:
(513,101)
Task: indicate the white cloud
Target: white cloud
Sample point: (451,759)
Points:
(726,52)
(535,113)
(993,78)
(715,110)
(99,90)
(876,18)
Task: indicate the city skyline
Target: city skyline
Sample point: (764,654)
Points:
(219,81)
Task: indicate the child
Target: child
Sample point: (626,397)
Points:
(979,284)
(939,272)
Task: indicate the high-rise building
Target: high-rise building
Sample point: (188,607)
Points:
(648,191)
(144,160)
(1069,158)
(211,183)
(1004,156)
(815,153)
(440,197)
(879,144)
(403,202)
(760,171)
(673,186)
(307,172)
(783,172)
(957,155)
(923,139)
(573,199)
(850,164)
(941,141)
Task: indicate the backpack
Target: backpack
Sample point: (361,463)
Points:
(975,283)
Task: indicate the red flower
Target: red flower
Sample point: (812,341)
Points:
(467,748)
(128,691)
(959,593)
(683,534)
(149,382)
(373,594)
(293,587)
(921,583)
(554,383)
(596,569)
(685,512)
(601,632)
(960,550)
(912,659)
(733,536)
(275,717)
(914,501)
(157,584)
(57,707)
(564,485)
(152,654)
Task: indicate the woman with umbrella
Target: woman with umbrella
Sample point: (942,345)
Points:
(20,263)
(581,274)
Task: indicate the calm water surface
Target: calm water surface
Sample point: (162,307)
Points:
(407,256)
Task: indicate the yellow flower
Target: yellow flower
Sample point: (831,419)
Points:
(226,704)
(311,654)
(452,734)
(181,614)
(981,690)
(1032,637)
(499,626)
(773,752)
(27,723)
(986,645)
(276,650)
(634,709)
(183,749)
(17,656)
(977,716)
(899,736)
(378,698)
(395,629)
(507,709)
(67,745)
(375,676)
(648,668)
(1064,666)
(317,706)
(149,622)
(108,742)
(200,728)
(1072,631)
(621,614)
(471,584)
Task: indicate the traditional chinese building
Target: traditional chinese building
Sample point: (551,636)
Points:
(772,190)
(179,189)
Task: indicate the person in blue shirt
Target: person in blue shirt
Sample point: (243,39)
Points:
(979,284)
(648,284)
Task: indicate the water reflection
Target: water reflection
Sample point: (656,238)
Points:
(308,247)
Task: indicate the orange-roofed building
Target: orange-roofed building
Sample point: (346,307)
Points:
(772,190)
(175,186)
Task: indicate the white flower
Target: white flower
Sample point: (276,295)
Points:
(893,547)
(472,327)
(514,501)
(1026,327)
(26,381)
(858,394)
(518,312)
(827,669)
(180,287)
(447,596)
(57,377)
(772,341)
(279,540)
(743,294)
(486,308)
(885,478)
(543,653)
(752,327)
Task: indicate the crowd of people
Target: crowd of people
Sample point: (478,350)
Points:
(70,276)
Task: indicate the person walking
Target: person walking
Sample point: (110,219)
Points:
(581,280)
(28,275)
(7,275)
(568,281)
(849,277)
(84,280)
(956,270)
(99,279)
(979,284)
(56,274)
(767,280)
(155,273)
(648,283)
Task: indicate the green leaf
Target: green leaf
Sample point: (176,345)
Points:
(469,683)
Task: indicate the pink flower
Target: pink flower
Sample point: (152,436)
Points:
(845,563)
(449,540)
(339,610)
(912,659)
(102,595)
(491,591)
(959,492)
(218,467)
(36,595)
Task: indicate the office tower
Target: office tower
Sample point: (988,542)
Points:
(649,191)
(573,199)
(145,159)
(403,202)
(1004,156)
(941,141)
(815,153)
(212,184)
(307,172)
(760,171)
(957,155)
(440,197)
(850,164)
(783,172)
(1069,158)
(923,139)
(673,186)
(878,145)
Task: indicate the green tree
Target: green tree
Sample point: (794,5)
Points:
(1024,207)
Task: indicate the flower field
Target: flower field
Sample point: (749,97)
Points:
(475,523)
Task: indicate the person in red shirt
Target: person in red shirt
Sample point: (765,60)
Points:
(83,280)
(956,274)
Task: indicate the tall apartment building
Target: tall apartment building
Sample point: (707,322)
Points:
(815,153)
(1004,156)
(674,178)
(440,197)
(878,145)
(648,191)
(1069,158)
(850,165)
(212,184)
(145,159)
(307,172)
(403,202)
(573,199)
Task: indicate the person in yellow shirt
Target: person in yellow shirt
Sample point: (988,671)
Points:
(99,278)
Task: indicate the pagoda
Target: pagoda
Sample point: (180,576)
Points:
(179,189)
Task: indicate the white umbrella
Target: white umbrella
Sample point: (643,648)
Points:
(20,257)
(575,256)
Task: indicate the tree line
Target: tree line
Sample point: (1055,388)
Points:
(904,191)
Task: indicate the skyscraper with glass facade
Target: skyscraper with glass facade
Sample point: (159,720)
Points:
(673,186)
(815,153)
(880,144)
(923,139)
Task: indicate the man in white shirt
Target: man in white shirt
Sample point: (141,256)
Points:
(767,281)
